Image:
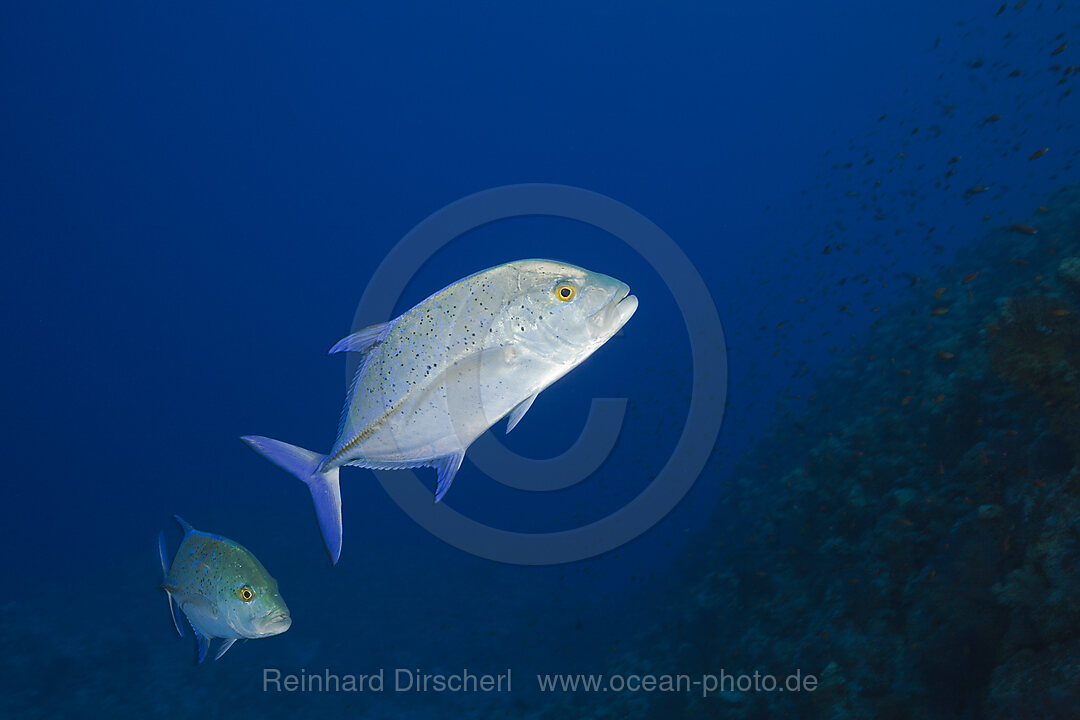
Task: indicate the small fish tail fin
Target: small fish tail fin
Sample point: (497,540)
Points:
(323,484)
(174,610)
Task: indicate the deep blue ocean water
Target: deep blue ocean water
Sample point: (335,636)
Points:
(193,200)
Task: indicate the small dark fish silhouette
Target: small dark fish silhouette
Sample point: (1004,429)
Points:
(1039,153)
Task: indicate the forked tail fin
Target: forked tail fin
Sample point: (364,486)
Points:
(324,486)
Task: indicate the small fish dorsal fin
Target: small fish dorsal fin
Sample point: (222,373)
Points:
(445,469)
(184,525)
(362,340)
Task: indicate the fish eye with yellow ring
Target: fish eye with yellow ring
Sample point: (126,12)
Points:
(565,292)
(245,593)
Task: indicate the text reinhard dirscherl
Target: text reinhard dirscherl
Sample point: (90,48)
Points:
(401,680)
(409,680)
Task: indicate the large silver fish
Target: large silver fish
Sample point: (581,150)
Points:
(434,379)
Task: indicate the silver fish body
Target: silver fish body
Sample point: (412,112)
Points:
(435,378)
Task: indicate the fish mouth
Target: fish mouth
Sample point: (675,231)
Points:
(623,304)
(626,305)
(273,623)
(616,312)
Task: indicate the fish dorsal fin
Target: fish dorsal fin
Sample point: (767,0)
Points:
(225,645)
(184,525)
(519,412)
(445,469)
(362,340)
(203,644)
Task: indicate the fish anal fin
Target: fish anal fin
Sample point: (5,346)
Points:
(203,644)
(362,340)
(519,412)
(445,469)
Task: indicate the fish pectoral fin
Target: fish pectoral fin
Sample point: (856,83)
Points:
(519,412)
(202,646)
(445,469)
(225,645)
(362,340)
(174,608)
(174,612)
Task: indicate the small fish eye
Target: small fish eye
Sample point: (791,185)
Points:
(245,593)
(565,292)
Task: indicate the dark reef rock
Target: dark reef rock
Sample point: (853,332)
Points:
(921,553)
(1034,343)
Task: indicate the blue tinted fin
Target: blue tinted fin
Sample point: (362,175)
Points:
(162,555)
(174,611)
(445,469)
(203,645)
(225,645)
(184,525)
(323,485)
(519,412)
(362,340)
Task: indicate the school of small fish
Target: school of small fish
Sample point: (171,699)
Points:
(963,155)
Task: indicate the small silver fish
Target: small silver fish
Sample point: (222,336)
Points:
(434,379)
(222,589)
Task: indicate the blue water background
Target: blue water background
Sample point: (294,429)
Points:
(193,198)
